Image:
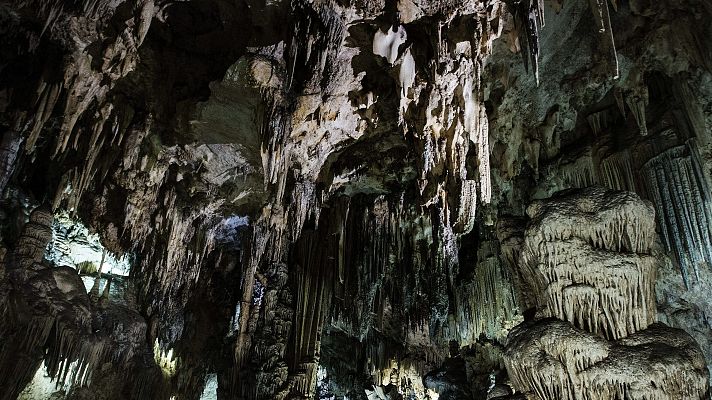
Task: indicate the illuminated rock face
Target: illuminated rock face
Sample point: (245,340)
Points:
(587,257)
(587,254)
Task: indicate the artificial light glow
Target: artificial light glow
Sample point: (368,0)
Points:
(74,246)
(165,359)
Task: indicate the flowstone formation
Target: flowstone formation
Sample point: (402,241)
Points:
(587,260)
(587,257)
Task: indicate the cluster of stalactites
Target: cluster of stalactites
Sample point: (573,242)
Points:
(190,237)
(456,127)
(394,256)
(49,314)
(85,86)
(529,20)
(392,244)
(486,304)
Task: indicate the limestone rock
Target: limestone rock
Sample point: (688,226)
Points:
(557,361)
(586,255)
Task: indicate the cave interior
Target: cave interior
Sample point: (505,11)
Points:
(355,199)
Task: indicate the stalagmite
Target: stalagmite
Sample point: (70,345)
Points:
(36,234)
(585,257)
(557,361)
(586,254)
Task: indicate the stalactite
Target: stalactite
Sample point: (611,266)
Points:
(598,121)
(528,16)
(692,110)
(104,299)
(387,44)
(510,232)
(616,171)
(242,343)
(47,96)
(578,172)
(637,103)
(681,195)
(602,18)
(406,76)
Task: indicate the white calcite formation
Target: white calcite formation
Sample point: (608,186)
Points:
(556,361)
(587,258)
(387,44)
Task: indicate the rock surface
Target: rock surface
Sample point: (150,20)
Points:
(586,252)
(342,186)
